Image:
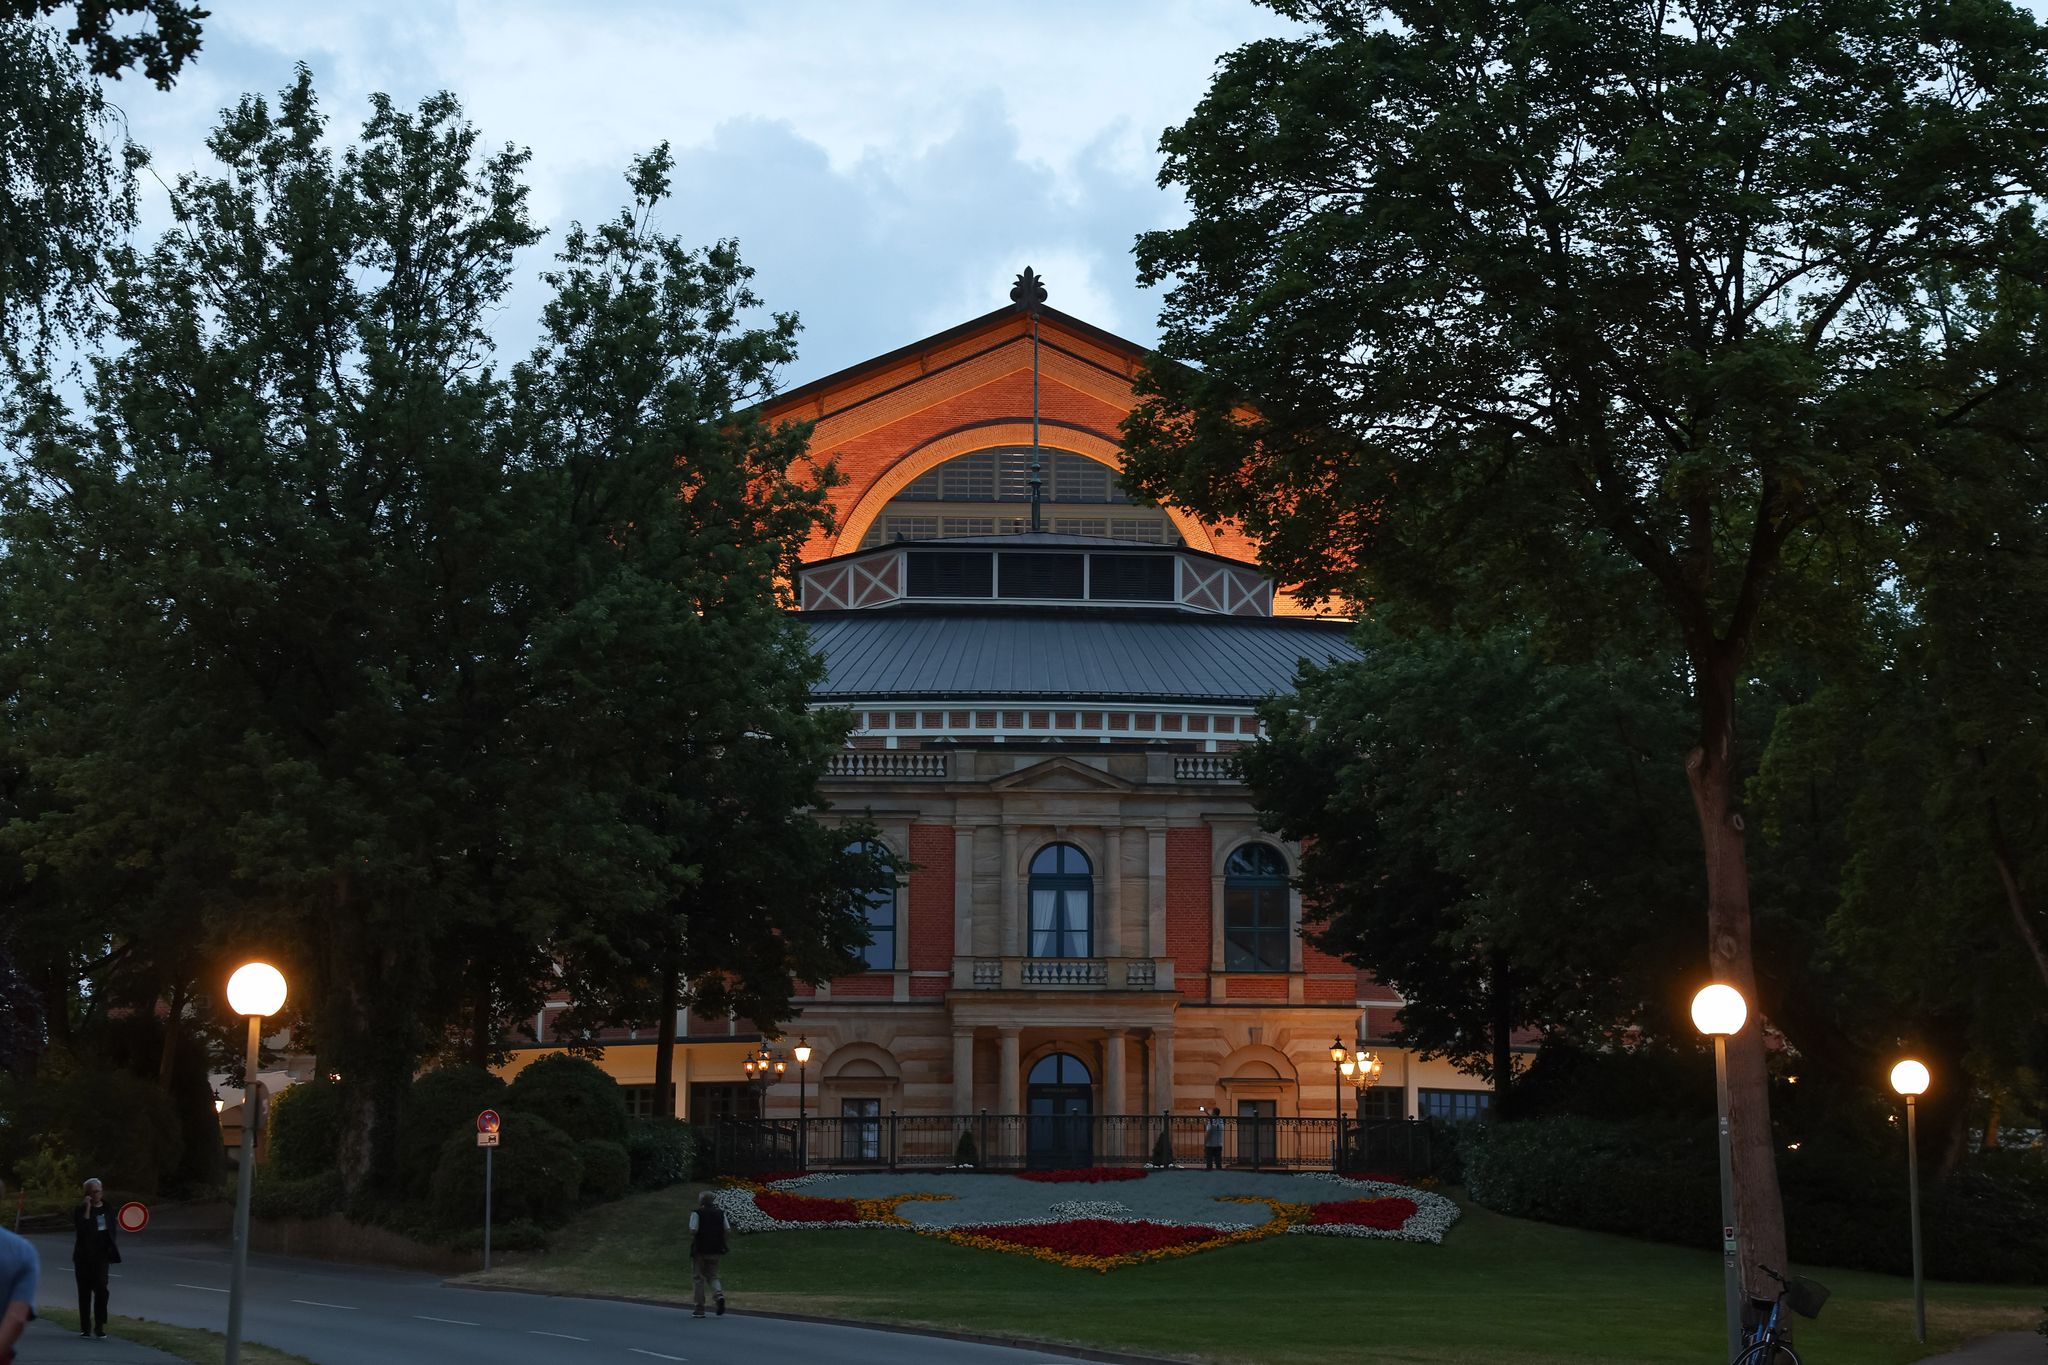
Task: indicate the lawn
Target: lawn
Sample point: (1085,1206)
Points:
(193,1344)
(1497,1290)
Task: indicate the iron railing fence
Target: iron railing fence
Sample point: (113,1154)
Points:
(1012,1142)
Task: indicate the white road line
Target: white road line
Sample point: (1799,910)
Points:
(656,1354)
(453,1322)
(315,1303)
(206,1287)
(536,1332)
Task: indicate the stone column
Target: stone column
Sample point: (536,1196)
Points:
(1114,1101)
(963,891)
(1014,908)
(1411,1103)
(1009,1084)
(1155,893)
(1112,941)
(963,1071)
(1162,1068)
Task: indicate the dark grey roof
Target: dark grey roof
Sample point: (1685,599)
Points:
(960,654)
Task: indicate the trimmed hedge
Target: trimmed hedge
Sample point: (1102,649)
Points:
(440,1104)
(536,1174)
(1844,1206)
(607,1171)
(313,1196)
(521,1234)
(661,1152)
(574,1095)
(305,1129)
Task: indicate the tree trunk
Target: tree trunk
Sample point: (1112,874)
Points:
(481,1034)
(1759,1210)
(1503,1039)
(2015,897)
(1991,1128)
(665,1044)
(167,1059)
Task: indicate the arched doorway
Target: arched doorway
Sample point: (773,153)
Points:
(1059,1102)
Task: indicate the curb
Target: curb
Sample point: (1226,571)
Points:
(1090,1353)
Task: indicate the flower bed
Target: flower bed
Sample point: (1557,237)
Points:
(1168,1214)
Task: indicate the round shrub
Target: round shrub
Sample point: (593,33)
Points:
(574,1095)
(536,1174)
(314,1196)
(305,1129)
(440,1104)
(607,1170)
(663,1152)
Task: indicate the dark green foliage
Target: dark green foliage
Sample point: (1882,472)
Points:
(1845,1203)
(305,1129)
(312,1196)
(663,1152)
(964,1153)
(536,1174)
(114,1125)
(442,1102)
(160,48)
(607,1171)
(574,1095)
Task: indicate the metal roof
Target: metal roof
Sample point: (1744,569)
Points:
(1054,654)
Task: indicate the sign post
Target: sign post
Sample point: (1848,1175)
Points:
(487,1138)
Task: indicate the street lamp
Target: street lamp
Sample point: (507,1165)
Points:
(256,990)
(802,1050)
(1910,1079)
(1719,1011)
(1340,1059)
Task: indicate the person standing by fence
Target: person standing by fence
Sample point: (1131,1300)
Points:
(1212,1141)
(707,1244)
(93,1249)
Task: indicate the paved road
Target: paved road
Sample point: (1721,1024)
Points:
(354,1315)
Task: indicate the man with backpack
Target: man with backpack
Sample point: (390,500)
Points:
(707,1244)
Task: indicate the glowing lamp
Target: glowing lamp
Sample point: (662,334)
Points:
(256,989)
(1910,1078)
(1338,1052)
(803,1052)
(1719,1010)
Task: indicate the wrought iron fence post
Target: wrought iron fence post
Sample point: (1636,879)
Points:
(981,1153)
(895,1138)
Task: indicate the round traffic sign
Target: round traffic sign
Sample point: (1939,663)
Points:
(487,1122)
(133,1216)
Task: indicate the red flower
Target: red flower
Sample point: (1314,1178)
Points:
(1092,1175)
(1388,1215)
(800,1208)
(1095,1236)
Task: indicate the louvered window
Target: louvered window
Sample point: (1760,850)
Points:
(942,573)
(1040,576)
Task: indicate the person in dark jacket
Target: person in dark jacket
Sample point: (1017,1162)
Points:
(707,1244)
(93,1249)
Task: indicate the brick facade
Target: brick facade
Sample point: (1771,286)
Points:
(931,899)
(1187,908)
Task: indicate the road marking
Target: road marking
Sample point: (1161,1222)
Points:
(206,1287)
(453,1322)
(315,1303)
(656,1354)
(536,1332)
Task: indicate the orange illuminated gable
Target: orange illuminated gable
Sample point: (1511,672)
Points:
(887,421)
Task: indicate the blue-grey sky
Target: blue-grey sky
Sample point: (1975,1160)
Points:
(887,165)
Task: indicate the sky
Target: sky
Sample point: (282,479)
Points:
(887,166)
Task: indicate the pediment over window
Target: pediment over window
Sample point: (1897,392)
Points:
(1061,775)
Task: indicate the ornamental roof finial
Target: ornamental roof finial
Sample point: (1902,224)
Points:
(1029,291)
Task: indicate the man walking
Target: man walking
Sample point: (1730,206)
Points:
(92,1251)
(707,1244)
(19,1270)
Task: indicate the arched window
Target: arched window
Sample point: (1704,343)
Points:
(1062,903)
(880,911)
(1255,910)
(1059,1068)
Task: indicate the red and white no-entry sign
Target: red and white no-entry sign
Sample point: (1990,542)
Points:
(133,1217)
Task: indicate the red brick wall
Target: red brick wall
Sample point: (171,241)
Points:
(1187,907)
(931,898)
(868,983)
(1314,960)
(1257,988)
(1326,989)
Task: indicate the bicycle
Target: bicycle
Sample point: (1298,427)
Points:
(1765,1344)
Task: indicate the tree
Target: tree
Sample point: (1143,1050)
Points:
(1490,834)
(65,197)
(1597,299)
(421,662)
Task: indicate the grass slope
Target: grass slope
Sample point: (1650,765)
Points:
(1497,1290)
(194,1344)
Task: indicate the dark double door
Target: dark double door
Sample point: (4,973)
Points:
(1059,1115)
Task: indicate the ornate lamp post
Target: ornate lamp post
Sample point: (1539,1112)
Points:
(1340,1061)
(257,991)
(1719,1011)
(802,1051)
(1910,1079)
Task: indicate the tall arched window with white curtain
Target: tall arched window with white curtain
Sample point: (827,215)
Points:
(1062,902)
(880,912)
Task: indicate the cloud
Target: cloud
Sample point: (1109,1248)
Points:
(887,167)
